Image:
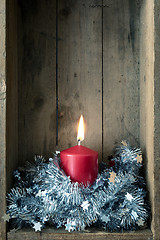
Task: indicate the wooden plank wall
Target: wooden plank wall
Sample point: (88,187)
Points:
(98,75)
(120,74)
(87,47)
(80,73)
(37,74)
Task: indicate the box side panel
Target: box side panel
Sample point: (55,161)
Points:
(147,96)
(2,117)
(12,91)
(157,119)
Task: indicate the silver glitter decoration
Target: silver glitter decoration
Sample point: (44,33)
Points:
(85,205)
(129,197)
(37,226)
(44,194)
(6,217)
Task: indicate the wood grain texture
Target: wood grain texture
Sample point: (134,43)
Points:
(131,97)
(156,141)
(12,92)
(147,96)
(37,78)
(2,117)
(50,234)
(121,73)
(80,73)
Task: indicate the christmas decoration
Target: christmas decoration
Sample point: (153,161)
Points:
(44,194)
(37,226)
(6,217)
(112,177)
(139,158)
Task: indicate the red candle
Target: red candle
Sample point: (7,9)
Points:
(79,162)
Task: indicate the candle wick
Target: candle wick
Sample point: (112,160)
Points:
(79,142)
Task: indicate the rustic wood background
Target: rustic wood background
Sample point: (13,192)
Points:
(98,75)
(107,63)
(2,119)
(37,79)
(91,234)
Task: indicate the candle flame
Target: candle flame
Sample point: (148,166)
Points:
(80,136)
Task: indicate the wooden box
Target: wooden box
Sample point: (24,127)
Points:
(61,58)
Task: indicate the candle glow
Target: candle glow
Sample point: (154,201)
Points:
(80,135)
(79,162)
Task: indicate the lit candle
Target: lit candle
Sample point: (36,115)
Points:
(79,162)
